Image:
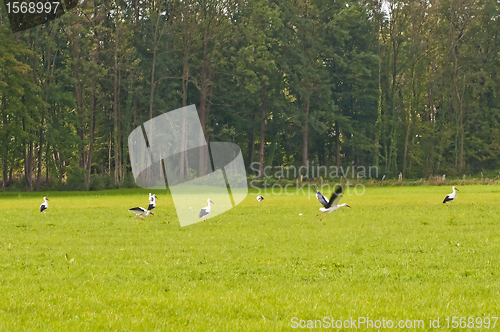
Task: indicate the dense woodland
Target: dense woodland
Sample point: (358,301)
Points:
(409,86)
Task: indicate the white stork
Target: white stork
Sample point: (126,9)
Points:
(44,206)
(330,205)
(140,212)
(152,203)
(206,210)
(451,197)
(260,198)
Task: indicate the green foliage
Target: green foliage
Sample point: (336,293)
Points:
(96,182)
(411,88)
(75,179)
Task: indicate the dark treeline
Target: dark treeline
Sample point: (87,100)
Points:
(408,86)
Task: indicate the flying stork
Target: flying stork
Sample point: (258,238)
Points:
(44,206)
(152,203)
(206,210)
(260,198)
(140,212)
(451,197)
(330,205)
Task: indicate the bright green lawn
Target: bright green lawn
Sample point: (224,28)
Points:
(399,253)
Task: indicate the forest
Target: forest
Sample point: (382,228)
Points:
(410,87)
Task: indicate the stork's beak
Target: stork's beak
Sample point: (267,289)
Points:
(212,202)
(348,206)
(48,199)
(156,196)
(457,189)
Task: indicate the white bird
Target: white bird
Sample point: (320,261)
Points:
(44,206)
(152,203)
(451,197)
(140,212)
(206,210)
(260,198)
(330,205)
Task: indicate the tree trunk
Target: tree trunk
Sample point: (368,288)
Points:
(251,147)
(41,130)
(263,112)
(4,146)
(93,102)
(462,153)
(202,110)
(305,135)
(153,67)
(88,162)
(47,163)
(40,155)
(78,94)
(185,59)
(185,81)
(28,160)
(337,145)
(116,101)
(376,152)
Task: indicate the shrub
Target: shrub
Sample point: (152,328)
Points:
(75,179)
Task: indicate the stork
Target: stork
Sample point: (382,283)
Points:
(451,197)
(260,198)
(330,205)
(206,210)
(152,203)
(44,206)
(140,212)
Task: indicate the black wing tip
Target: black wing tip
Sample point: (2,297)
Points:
(339,190)
(447,199)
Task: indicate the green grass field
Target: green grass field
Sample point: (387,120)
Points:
(397,254)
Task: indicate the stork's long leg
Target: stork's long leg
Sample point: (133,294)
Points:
(325,215)
(321,213)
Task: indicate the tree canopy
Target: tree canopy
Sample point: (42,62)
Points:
(411,87)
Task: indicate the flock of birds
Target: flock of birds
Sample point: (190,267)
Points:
(329,205)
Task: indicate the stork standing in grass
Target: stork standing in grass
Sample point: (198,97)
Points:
(152,203)
(330,205)
(206,210)
(451,197)
(44,206)
(140,212)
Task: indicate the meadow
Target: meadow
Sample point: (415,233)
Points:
(397,254)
